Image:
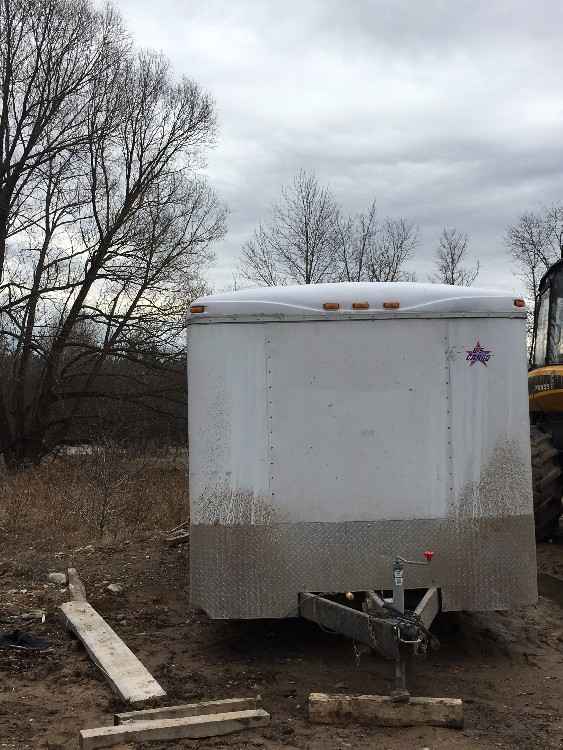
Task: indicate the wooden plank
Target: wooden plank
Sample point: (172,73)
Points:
(381,710)
(190,709)
(428,607)
(75,586)
(176,539)
(173,729)
(183,526)
(125,673)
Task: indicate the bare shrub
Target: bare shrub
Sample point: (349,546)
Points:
(108,492)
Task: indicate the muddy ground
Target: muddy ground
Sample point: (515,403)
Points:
(508,668)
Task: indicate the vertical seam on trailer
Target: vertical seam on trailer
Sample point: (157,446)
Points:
(269,417)
(449,418)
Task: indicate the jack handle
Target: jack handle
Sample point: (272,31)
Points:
(428,554)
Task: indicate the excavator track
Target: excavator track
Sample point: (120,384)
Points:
(547,478)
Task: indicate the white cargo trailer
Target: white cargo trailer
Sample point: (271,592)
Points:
(337,427)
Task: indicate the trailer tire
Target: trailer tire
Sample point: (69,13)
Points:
(547,480)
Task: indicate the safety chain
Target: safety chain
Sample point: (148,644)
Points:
(357,653)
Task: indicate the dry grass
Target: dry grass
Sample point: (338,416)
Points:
(110,493)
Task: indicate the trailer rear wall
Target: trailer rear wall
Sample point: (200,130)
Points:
(324,444)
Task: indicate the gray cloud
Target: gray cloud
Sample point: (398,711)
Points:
(449,113)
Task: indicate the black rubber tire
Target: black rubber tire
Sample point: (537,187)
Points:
(547,479)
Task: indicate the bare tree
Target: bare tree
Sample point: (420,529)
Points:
(310,240)
(357,240)
(396,242)
(372,252)
(260,262)
(51,53)
(300,242)
(554,224)
(451,256)
(109,225)
(535,242)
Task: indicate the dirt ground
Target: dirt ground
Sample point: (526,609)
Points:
(507,667)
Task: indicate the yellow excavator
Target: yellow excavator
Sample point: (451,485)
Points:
(545,389)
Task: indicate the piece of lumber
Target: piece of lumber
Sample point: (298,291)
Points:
(381,710)
(177,528)
(190,709)
(428,607)
(75,586)
(176,539)
(173,729)
(125,673)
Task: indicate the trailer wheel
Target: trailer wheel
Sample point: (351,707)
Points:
(547,479)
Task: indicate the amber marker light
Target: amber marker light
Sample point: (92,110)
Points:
(519,303)
(331,306)
(197,309)
(391,305)
(360,305)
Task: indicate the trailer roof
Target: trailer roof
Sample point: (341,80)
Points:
(358,299)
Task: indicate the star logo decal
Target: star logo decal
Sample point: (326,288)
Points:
(478,354)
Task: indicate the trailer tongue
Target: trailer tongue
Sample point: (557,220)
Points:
(383,624)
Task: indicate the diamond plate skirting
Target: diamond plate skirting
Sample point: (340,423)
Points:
(242,572)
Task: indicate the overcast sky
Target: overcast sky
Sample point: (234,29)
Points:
(448,113)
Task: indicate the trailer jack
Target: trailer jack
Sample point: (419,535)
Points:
(382,624)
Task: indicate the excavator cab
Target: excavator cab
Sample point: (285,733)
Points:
(545,390)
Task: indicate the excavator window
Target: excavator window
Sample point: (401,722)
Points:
(556,332)
(540,351)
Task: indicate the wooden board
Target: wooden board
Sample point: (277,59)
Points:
(428,607)
(190,709)
(173,729)
(75,586)
(125,673)
(379,709)
(178,538)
